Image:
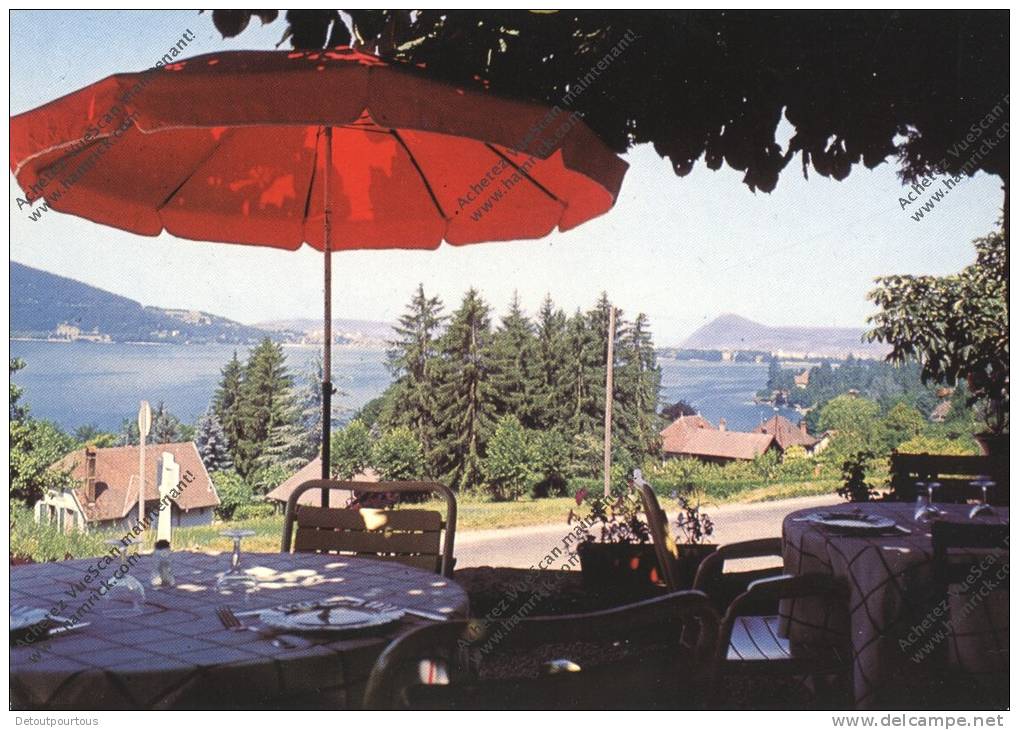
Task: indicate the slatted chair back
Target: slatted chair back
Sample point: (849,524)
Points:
(955,474)
(652,654)
(723,587)
(665,545)
(965,536)
(417,537)
(756,644)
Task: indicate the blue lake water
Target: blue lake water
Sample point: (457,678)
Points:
(80,383)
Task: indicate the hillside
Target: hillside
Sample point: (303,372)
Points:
(731,332)
(48,306)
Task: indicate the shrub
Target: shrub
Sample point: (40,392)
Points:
(267,478)
(254,510)
(552,462)
(398,455)
(350,450)
(233,493)
(854,478)
(510,465)
(938,445)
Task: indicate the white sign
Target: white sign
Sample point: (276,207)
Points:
(144,419)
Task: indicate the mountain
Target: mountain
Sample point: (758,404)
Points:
(731,332)
(47,306)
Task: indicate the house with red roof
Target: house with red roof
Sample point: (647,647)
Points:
(695,437)
(106,485)
(786,435)
(313,498)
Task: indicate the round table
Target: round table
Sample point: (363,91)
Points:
(893,611)
(177,654)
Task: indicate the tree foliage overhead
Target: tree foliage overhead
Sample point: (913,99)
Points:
(857,86)
(956,326)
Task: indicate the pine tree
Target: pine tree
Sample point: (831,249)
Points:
(414,362)
(466,406)
(166,427)
(311,410)
(226,405)
(512,356)
(212,444)
(549,389)
(268,417)
(638,381)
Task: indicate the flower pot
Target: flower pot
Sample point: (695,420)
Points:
(690,558)
(619,569)
(992,444)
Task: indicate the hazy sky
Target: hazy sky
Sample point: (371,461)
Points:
(683,250)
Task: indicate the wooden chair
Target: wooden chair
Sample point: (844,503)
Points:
(971,574)
(953,472)
(416,537)
(652,654)
(723,587)
(661,537)
(749,642)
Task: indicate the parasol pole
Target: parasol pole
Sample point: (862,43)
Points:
(327,362)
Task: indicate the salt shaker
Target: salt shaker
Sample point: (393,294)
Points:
(162,572)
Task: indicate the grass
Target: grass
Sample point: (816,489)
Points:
(44,542)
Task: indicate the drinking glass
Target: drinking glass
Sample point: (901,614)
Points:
(983,509)
(920,513)
(235,582)
(125,595)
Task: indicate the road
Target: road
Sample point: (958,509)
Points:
(523,547)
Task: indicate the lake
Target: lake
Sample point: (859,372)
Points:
(81,383)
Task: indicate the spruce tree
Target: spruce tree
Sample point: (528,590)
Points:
(466,407)
(212,443)
(310,398)
(413,359)
(512,359)
(549,382)
(268,417)
(226,405)
(638,381)
(165,428)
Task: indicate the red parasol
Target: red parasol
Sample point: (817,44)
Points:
(232,147)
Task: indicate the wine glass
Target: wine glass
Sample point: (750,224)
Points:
(125,595)
(235,582)
(922,512)
(983,509)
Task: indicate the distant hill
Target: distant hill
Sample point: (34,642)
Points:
(47,306)
(730,332)
(349,329)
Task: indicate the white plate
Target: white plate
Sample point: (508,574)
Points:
(24,617)
(311,617)
(856,523)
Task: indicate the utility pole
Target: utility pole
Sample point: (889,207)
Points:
(609,360)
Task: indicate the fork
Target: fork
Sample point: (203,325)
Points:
(229,620)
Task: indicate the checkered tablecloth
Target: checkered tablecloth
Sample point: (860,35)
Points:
(901,627)
(178,654)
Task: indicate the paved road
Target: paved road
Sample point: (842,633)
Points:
(523,547)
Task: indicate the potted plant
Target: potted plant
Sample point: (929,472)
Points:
(616,554)
(694,527)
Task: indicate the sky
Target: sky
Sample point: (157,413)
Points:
(680,249)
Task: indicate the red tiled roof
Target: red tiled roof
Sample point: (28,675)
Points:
(676,434)
(313,498)
(725,444)
(785,433)
(117,479)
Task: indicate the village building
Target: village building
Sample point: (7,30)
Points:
(786,435)
(695,437)
(802,380)
(313,498)
(104,494)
